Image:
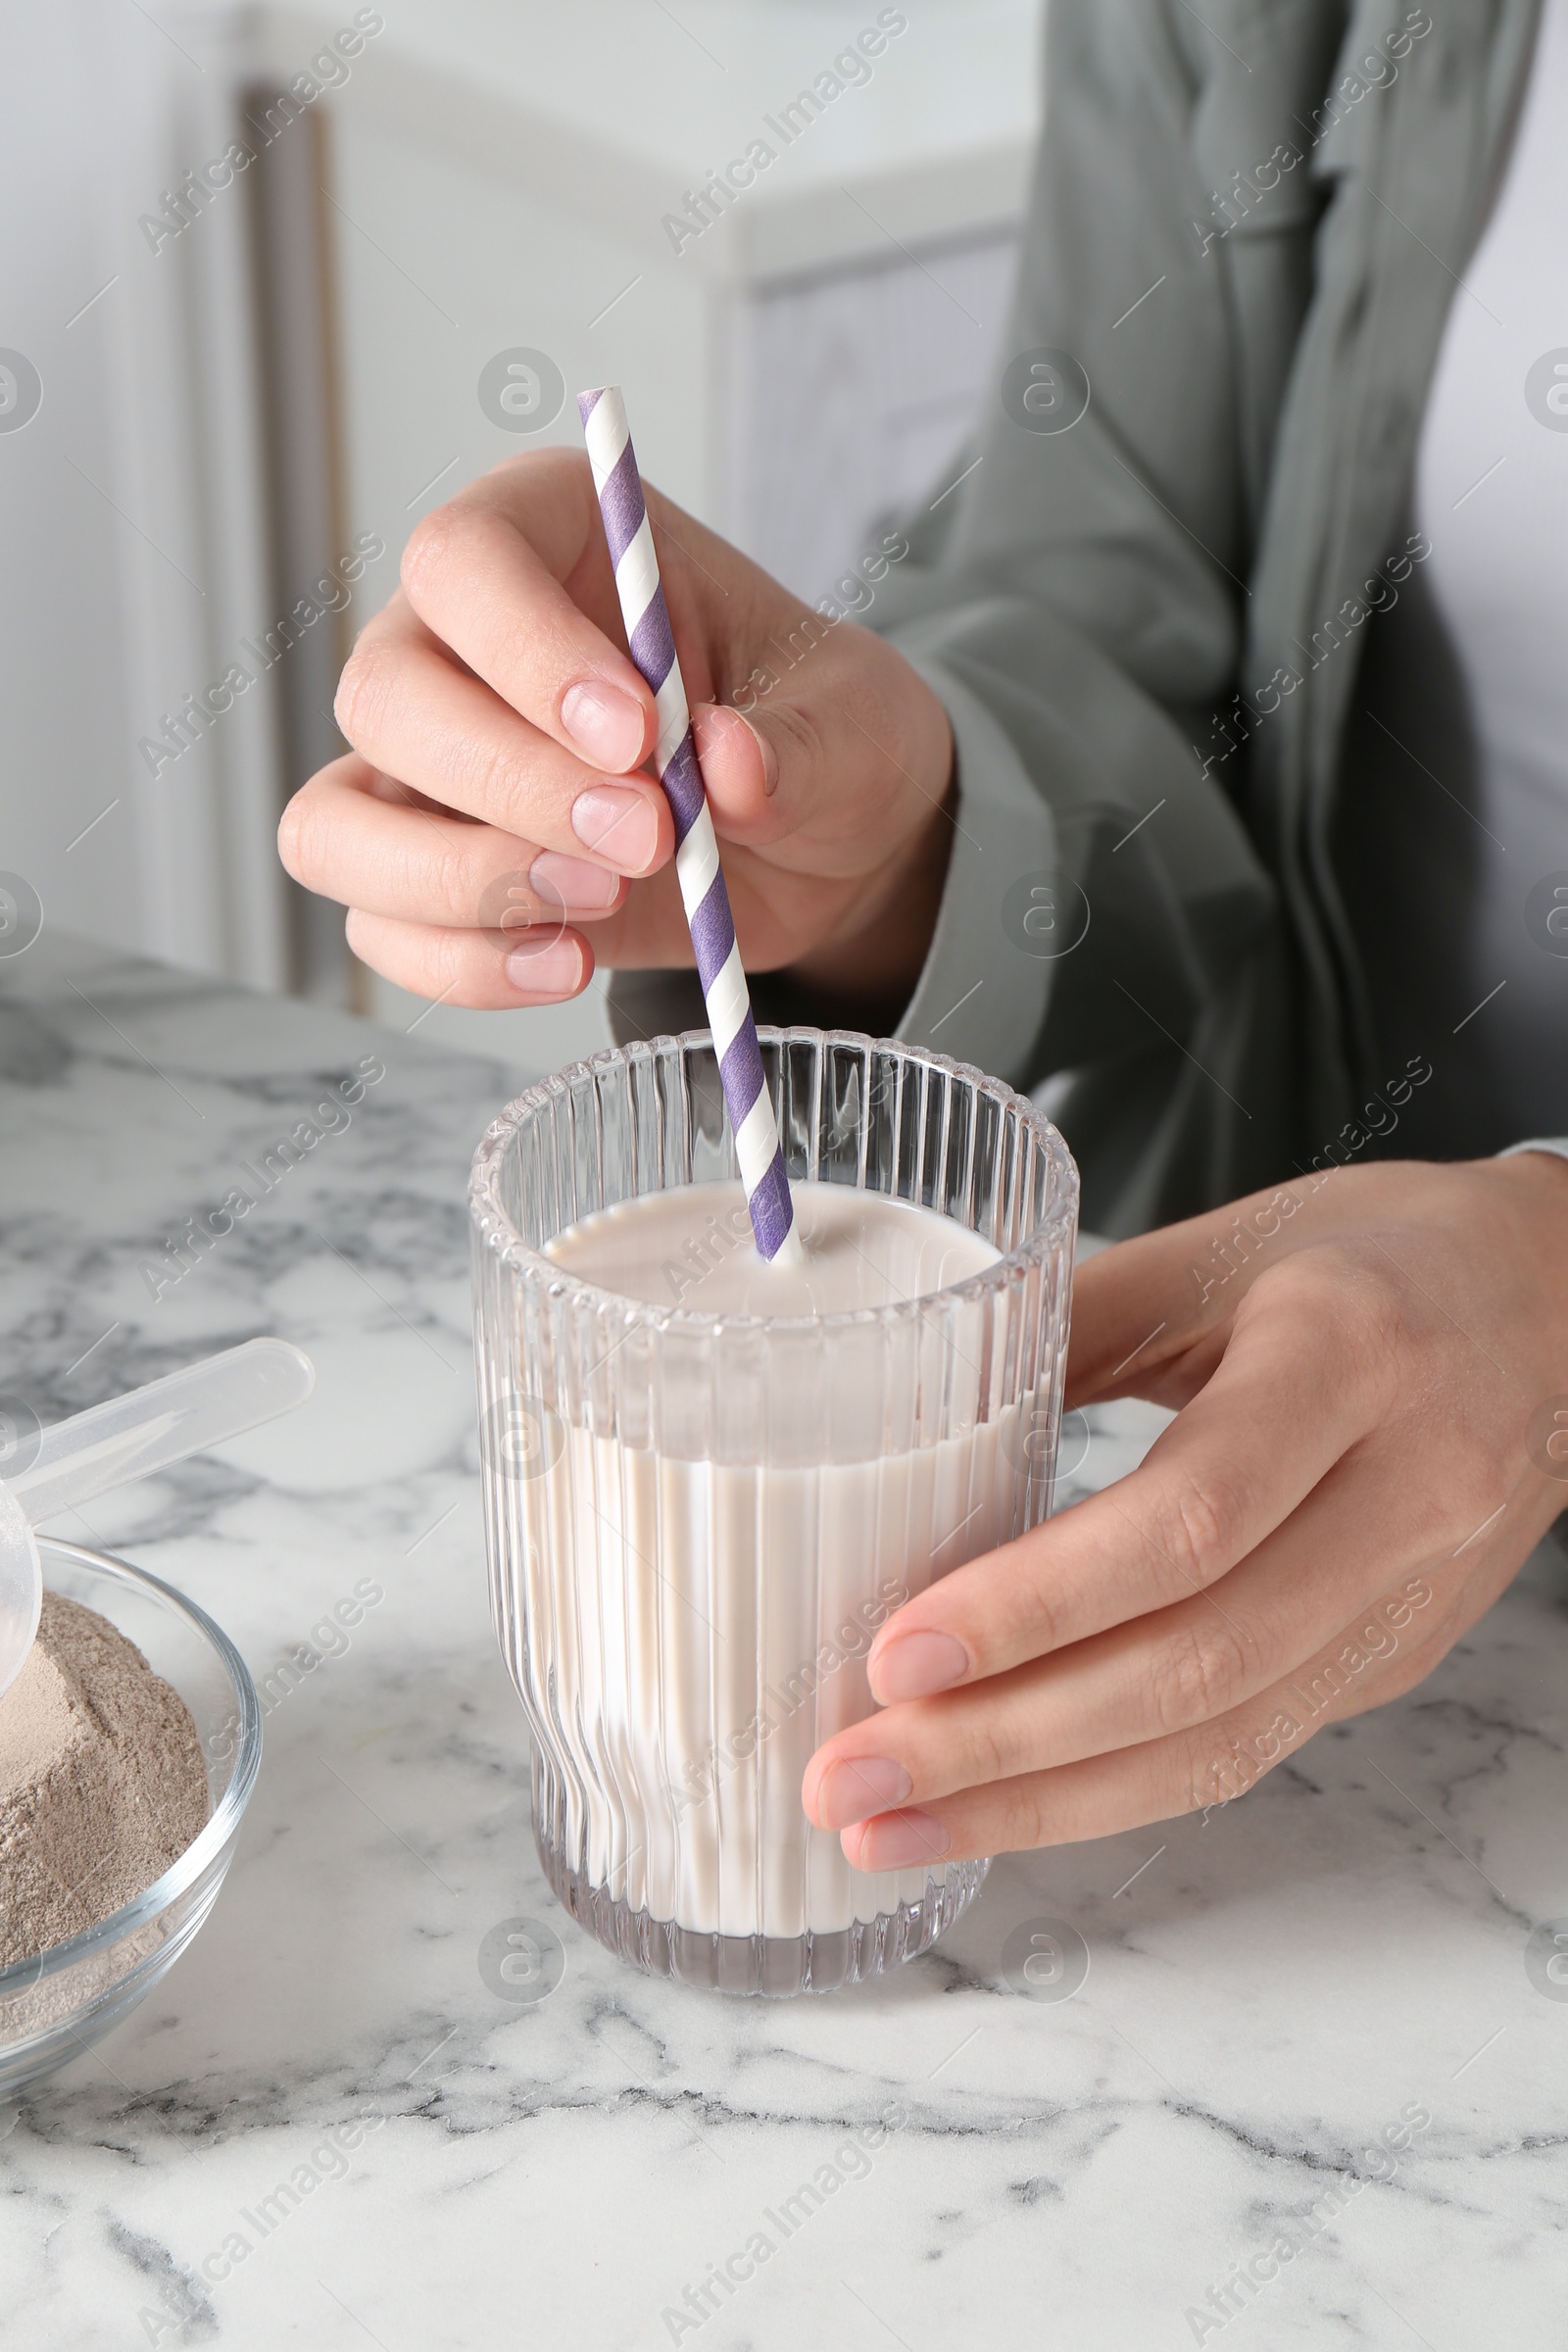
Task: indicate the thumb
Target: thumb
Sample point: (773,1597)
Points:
(795,769)
(740,770)
(849,763)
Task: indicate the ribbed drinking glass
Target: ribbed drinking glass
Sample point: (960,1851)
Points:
(695,1522)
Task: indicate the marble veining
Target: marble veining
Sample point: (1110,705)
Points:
(328,2126)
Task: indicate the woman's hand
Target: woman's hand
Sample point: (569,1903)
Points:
(1359,1468)
(496,811)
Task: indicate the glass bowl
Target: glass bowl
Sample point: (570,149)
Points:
(56,2005)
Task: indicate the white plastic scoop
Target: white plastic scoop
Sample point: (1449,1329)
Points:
(130,1437)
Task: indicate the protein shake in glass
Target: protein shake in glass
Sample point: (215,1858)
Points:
(709,1477)
(771,1332)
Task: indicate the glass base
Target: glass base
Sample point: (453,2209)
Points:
(775,1964)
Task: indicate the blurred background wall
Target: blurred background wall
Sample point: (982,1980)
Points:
(279,280)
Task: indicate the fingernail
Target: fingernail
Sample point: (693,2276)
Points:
(552,968)
(562,881)
(769,756)
(856,1787)
(707,722)
(916,1664)
(620,824)
(606,725)
(902,1841)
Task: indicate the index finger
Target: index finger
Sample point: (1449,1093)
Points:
(522,591)
(1295,1390)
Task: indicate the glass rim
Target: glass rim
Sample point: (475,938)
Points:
(188,1868)
(498,1232)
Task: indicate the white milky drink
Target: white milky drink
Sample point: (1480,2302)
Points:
(709,1622)
(710,1480)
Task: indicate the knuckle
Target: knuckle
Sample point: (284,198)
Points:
(309,839)
(801,735)
(1407,1668)
(427,961)
(1210,1766)
(363,693)
(1375,1330)
(1217,1761)
(1021,1814)
(994,1751)
(429,548)
(296,838)
(1033,1616)
(489,776)
(1198,1529)
(446,960)
(450,884)
(1202,1672)
(1347,1293)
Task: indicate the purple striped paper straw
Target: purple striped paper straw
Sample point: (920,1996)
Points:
(702,882)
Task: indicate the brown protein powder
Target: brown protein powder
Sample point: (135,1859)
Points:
(102,1780)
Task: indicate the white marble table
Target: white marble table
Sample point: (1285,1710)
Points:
(1268,1993)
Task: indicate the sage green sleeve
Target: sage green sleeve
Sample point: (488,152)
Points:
(1108,930)
(1078,605)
